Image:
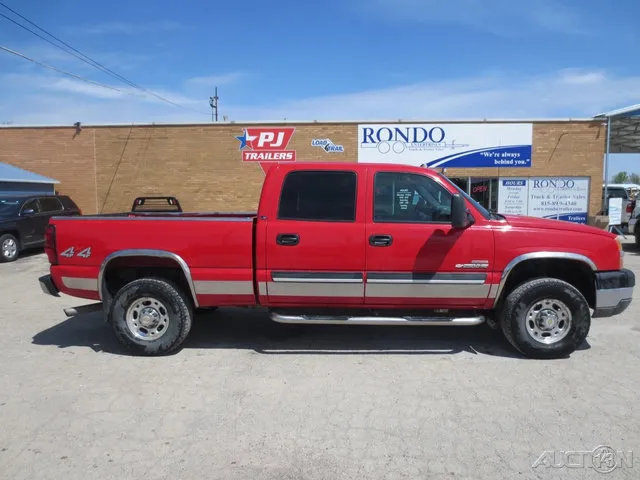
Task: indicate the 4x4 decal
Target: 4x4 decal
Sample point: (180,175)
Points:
(71,251)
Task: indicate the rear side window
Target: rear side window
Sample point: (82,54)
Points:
(321,196)
(68,203)
(50,204)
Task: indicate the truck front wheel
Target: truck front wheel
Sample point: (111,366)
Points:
(545,318)
(150,316)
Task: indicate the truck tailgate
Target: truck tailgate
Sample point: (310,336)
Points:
(215,253)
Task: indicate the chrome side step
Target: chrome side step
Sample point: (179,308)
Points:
(73,311)
(347,320)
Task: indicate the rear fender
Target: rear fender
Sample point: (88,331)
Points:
(103,291)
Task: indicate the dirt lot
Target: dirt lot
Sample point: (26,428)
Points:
(247,398)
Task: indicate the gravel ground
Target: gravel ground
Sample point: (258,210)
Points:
(250,399)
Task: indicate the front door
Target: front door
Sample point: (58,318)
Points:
(30,222)
(315,251)
(414,257)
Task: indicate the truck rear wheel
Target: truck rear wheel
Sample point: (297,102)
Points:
(545,318)
(150,316)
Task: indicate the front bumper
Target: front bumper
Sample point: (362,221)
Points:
(48,286)
(614,292)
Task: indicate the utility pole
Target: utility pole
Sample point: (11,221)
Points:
(213,103)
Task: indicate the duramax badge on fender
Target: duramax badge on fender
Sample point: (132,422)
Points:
(344,244)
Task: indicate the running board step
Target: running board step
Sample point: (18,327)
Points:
(73,311)
(347,320)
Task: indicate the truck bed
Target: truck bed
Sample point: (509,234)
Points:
(210,215)
(215,250)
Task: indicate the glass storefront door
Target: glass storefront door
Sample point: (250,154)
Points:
(483,190)
(461,182)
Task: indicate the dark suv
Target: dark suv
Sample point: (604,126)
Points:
(23,219)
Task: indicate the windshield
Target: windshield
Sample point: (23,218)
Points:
(485,213)
(616,193)
(9,207)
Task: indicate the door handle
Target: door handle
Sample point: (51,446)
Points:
(287,239)
(380,240)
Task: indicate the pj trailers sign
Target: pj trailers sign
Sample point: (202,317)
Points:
(266,146)
(447,145)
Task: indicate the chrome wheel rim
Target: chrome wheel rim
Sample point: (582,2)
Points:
(147,319)
(548,321)
(9,248)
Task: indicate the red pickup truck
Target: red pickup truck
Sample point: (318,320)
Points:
(344,244)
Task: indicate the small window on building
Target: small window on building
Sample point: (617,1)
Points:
(50,205)
(319,196)
(410,198)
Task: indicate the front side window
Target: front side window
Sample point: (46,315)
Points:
(31,205)
(410,198)
(318,196)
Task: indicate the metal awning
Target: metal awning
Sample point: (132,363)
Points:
(623,136)
(623,129)
(13,174)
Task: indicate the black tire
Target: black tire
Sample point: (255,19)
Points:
(9,254)
(514,322)
(637,236)
(168,301)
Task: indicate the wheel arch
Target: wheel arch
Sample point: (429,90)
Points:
(162,263)
(12,231)
(526,266)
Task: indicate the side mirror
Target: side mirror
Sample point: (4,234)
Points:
(28,211)
(459,217)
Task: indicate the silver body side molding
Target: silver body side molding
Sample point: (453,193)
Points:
(541,255)
(348,320)
(149,253)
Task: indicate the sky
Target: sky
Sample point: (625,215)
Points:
(321,60)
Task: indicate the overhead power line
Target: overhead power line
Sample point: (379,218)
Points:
(78,77)
(85,58)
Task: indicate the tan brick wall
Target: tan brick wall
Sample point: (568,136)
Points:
(105,168)
(201,165)
(56,153)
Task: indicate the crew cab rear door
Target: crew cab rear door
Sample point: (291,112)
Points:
(414,255)
(315,241)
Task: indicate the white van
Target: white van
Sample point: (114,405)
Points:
(620,190)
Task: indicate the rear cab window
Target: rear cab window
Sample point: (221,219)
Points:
(321,196)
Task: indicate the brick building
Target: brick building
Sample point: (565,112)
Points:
(104,167)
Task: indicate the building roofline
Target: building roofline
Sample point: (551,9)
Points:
(318,122)
(629,111)
(23,176)
(45,182)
